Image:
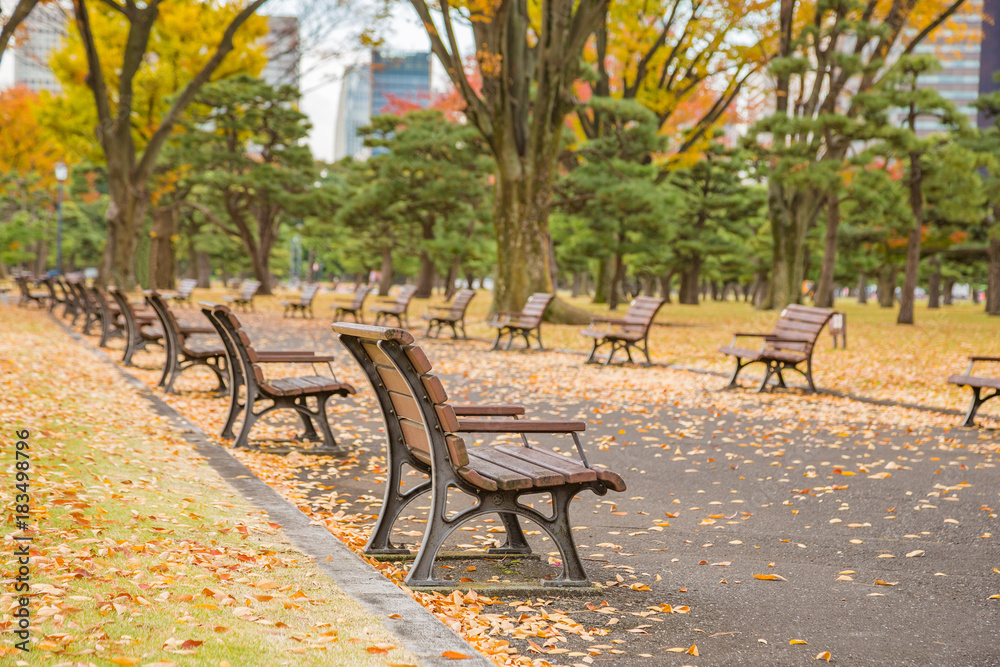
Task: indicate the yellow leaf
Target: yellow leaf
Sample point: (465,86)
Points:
(886,583)
(693,650)
(769,577)
(798,641)
(914,554)
(127,662)
(994,597)
(825,655)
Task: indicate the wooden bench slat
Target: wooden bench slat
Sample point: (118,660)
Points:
(539,476)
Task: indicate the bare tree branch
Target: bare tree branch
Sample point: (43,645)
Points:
(20,13)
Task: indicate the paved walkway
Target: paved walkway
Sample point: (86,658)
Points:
(875,529)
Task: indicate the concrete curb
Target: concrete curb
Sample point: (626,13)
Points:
(417,629)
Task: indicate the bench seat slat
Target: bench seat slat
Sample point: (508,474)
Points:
(974,381)
(540,476)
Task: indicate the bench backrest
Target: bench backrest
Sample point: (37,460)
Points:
(100,299)
(413,401)
(171,329)
(22,283)
(798,327)
(534,309)
(233,359)
(308,294)
(641,313)
(131,329)
(240,341)
(248,289)
(360,294)
(406,293)
(186,288)
(460,302)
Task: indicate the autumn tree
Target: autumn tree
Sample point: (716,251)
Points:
(828,52)
(528,56)
(127,47)
(243,148)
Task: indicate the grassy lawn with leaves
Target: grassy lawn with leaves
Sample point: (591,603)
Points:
(142,555)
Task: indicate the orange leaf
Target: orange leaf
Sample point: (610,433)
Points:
(693,650)
(454,655)
(127,662)
(769,577)
(825,655)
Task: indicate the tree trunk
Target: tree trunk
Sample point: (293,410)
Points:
(974,293)
(615,296)
(425,279)
(386,282)
(126,212)
(162,262)
(863,288)
(452,278)
(934,283)
(602,288)
(577,283)
(993,279)
(824,288)
(665,286)
(887,286)
(203,268)
(690,276)
(949,288)
(649,288)
(913,242)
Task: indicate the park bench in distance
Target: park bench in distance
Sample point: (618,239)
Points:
(422,431)
(523,323)
(55,298)
(248,289)
(139,332)
(181,354)
(183,294)
(28,296)
(395,308)
(624,333)
(790,344)
(977,383)
(304,303)
(356,307)
(72,307)
(290,393)
(450,314)
(112,325)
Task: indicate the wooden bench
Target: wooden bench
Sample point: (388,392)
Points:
(291,393)
(451,314)
(522,323)
(356,307)
(55,298)
(248,289)
(624,333)
(139,330)
(184,292)
(28,296)
(423,431)
(182,354)
(71,306)
(397,307)
(304,303)
(790,344)
(977,383)
(112,324)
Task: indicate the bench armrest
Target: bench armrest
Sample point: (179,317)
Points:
(751,335)
(488,410)
(290,357)
(519,426)
(187,331)
(608,320)
(978,358)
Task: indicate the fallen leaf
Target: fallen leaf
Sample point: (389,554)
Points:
(769,577)
(798,641)
(825,655)
(454,655)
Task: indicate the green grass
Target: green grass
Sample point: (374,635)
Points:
(139,546)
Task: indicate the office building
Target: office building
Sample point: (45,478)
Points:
(389,82)
(43,33)
(283,51)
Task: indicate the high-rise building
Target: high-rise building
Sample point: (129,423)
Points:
(368,90)
(44,30)
(353,111)
(989,55)
(404,77)
(283,51)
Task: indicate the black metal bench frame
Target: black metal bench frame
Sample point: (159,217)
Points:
(111,325)
(135,338)
(450,314)
(440,422)
(977,384)
(237,343)
(180,357)
(27,296)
